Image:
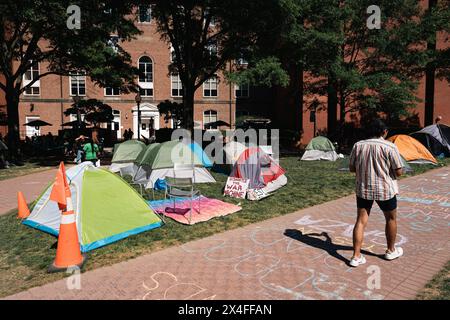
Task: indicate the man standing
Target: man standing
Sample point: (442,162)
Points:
(377,163)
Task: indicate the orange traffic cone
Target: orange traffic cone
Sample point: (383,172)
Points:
(23,212)
(68,253)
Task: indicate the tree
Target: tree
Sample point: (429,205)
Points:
(436,22)
(206,35)
(94,111)
(375,70)
(37,31)
(333,50)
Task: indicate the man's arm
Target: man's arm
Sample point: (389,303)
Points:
(396,162)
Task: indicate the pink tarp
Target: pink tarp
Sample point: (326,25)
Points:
(209,208)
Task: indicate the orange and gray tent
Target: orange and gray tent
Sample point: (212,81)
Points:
(412,150)
(436,138)
(262,171)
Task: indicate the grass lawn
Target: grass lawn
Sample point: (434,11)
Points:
(26,253)
(439,287)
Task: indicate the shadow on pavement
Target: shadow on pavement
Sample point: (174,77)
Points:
(314,240)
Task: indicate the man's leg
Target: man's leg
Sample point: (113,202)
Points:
(391,228)
(358,230)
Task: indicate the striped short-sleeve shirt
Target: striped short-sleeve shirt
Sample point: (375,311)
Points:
(375,161)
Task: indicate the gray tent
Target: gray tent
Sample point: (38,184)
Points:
(436,138)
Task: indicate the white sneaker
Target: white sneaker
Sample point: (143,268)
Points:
(357,261)
(397,253)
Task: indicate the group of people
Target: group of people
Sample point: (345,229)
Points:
(128,134)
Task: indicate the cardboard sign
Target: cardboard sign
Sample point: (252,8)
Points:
(236,187)
(256,194)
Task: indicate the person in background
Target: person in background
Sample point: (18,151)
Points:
(90,150)
(79,144)
(377,164)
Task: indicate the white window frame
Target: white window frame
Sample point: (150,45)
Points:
(112,90)
(36,85)
(212,48)
(237,88)
(29,131)
(79,76)
(114,43)
(177,80)
(171,54)
(146,85)
(211,113)
(207,86)
(73,117)
(242,62)
(149,8)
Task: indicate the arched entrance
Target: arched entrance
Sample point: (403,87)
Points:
(149,120)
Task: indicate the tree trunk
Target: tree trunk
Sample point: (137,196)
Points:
(331,106)
(188,108)
(342,107)
(429,79)
(12,105)
(298,111)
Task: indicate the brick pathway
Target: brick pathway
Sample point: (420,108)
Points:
(297,256)
(31,185)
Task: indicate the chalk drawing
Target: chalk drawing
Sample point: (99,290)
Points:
(189,290)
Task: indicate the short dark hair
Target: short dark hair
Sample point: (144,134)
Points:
(376,128)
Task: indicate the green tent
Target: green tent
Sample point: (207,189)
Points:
(158,161)
(320,143)
(163,155)
(127,151)
(320,148)
(107,208)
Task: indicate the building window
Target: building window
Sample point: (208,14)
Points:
(31,74)
(172,54)
(209,116)
(242,91)
(77,84)
(212,49)
(210,87)
(242,62)
(145,13)
(113,42)
(32,131)
(112,91)
(177,87)
(146,76)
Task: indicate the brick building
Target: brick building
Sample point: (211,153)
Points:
(215,100)
(52,95)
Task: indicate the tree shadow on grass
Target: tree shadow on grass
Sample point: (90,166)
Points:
(313,240)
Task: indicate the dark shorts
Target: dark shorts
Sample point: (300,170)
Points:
(387,205)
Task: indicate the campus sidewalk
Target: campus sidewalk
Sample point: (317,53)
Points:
(31,185)
(302,255)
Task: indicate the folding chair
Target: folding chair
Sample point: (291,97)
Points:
(182,188)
